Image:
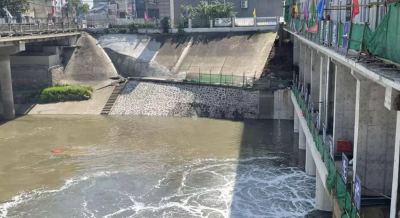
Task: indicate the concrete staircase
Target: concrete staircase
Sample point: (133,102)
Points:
(111,101)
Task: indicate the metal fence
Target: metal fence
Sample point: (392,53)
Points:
(220,79)
(18,29)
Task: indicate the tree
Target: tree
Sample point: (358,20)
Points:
(215,10)
(84,8)
(15,7)
(76,3)
(191,12)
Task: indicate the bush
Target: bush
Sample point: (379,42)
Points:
(132,28)
(64,92)
(122,31)
(181,31)
(165,24)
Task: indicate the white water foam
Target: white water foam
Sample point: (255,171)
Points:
(251,187)
(25,197)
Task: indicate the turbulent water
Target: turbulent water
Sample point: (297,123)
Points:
(151,167)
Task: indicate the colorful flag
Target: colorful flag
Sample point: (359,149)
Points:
(356,9)
(312,10)
(296,10)
(320,9)
(313,29)
(254,13)
(146,18)
(305,10)
(292,11)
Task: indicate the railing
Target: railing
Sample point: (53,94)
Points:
(340,36)
(19,29)
(334,182)
(220,79)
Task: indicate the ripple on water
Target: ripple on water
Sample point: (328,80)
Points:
(253,187)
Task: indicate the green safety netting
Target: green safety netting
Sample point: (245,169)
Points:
(385,41)
(357,34)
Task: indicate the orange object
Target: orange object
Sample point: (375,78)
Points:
(57,151)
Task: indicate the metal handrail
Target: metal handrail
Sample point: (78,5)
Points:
(18,29)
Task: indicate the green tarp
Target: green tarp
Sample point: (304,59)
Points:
(385,41)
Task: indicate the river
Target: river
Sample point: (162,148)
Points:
(132,166)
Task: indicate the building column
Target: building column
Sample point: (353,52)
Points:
(6,88)
(322,198)
(315,77)
(296,122)
(310,167)
(322,89)
(302,59)
(374,138)
(302,138)
(296,51)
(344,105)
(307,67)
(395,202)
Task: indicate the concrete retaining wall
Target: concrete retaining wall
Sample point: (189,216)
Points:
(188,100)
(156,99)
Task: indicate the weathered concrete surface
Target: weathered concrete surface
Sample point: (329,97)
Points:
(163,99)
(155,56)
(143,55)
(90,66)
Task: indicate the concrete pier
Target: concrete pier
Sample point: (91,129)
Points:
(302,139)
(6,88)
(310,167)
(344,105)
(296,123)
(374,137)
(322,198)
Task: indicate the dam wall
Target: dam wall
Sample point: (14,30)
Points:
(192,100)
(172,56)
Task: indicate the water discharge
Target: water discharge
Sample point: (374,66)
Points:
(121,166)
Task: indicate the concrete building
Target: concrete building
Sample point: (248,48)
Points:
(356,101)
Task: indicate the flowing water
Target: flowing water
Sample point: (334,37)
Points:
(122,166)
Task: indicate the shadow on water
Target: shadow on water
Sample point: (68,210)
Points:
(282,189)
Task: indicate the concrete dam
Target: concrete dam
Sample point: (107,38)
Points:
(173,57)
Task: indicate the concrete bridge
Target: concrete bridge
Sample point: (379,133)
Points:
(39,45)
(357,101)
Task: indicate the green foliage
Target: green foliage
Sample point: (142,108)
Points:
(165,24)
(215,10)
(64,92)
(15,7)
(181,31)
(132,28)
(84,8)
(122,31)
(76,3)
(191,12)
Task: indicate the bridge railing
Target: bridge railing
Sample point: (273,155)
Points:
(21,29)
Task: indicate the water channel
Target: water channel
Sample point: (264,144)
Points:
(132,166)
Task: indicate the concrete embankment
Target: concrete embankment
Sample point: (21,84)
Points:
(170,56)
(178,99)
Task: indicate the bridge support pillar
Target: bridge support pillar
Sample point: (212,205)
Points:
(296,122)
(6,88)
(310,167)
(302,138)
(322,198)
(6,80)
